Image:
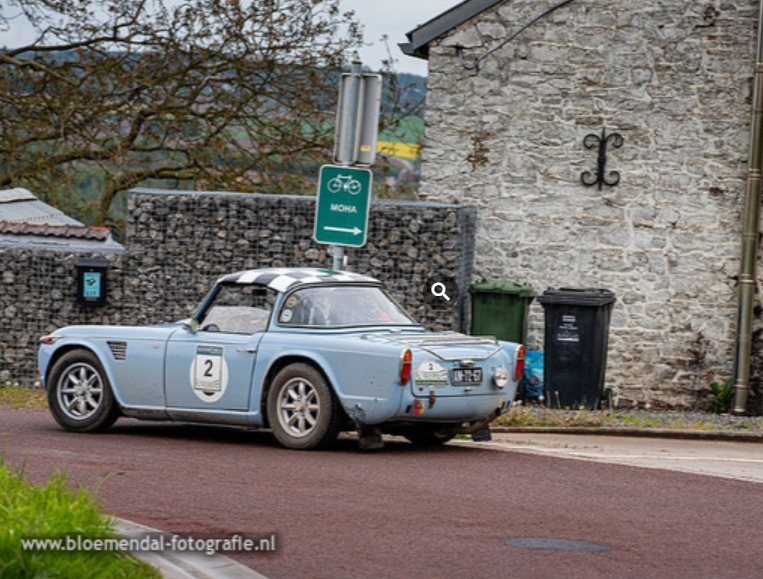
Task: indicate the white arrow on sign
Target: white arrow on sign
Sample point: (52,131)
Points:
(354,230)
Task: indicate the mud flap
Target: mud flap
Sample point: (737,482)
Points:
(369,437)
(482,435)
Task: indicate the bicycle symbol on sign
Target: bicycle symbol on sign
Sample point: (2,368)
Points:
(344,183)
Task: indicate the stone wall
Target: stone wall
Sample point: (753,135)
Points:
(178,244)
(39,295)
(673,77)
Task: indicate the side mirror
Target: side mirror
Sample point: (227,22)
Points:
(191,325)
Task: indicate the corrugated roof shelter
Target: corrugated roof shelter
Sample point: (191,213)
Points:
(27,221)
(21,206)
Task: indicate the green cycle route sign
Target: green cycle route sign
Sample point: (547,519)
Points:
(341,210)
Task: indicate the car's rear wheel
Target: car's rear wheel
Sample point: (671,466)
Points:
(302,409)
(79,393)
(429,436)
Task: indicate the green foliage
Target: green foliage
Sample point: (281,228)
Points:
(225,95)
(409,130)
(54,510)
(722,396)
(216,94)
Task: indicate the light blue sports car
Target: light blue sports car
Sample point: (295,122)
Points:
(307,353)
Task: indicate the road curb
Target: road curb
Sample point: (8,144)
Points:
(727,435)
(184,564)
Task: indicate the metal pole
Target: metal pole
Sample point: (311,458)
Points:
(350,130)
(338,252)
(751,225)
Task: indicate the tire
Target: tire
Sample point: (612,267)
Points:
(432,436)
(79,393)
(302,409)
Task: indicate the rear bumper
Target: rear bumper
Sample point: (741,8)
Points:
(453,409)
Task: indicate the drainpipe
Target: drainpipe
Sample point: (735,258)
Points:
(750,233)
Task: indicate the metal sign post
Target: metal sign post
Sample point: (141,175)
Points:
(357,120)
(347,132)
(344,192)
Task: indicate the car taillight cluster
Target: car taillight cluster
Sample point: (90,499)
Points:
(405,367)
(519,368)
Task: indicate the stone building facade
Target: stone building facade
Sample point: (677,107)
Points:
(178,243)
(504,132)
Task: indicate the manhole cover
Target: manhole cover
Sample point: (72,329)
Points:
(557,545)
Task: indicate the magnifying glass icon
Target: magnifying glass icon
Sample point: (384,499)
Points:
(438,290)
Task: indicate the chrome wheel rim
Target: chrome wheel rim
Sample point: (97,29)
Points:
(298,407)
(80,391)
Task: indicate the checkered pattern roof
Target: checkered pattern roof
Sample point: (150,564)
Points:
(283,279)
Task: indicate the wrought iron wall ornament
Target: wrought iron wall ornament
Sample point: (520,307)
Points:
(602,178)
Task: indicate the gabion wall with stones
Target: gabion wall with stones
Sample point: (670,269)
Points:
(673,77)
(38,296)
(178,244)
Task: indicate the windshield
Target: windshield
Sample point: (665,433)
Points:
(342,306)
(239,309)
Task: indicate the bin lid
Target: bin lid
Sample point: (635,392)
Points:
(502,287)
(578,297)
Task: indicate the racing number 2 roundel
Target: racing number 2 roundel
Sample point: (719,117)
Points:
(209,373)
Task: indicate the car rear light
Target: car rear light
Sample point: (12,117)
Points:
(519,368)
(405,367)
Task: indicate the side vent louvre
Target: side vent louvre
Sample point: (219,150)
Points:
(118,350)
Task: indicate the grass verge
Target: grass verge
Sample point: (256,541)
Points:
(55,511)
(540,416)
(14,396)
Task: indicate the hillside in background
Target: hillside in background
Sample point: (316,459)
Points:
(396,171)
(397,167)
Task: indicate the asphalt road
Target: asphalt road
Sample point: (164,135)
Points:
(405,512)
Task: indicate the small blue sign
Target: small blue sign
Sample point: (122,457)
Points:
(92,282)
(92,285)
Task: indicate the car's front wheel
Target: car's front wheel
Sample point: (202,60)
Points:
(79,393)
(302,409)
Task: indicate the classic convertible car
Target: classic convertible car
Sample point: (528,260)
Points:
(305,352)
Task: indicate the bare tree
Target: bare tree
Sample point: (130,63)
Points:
(219,94)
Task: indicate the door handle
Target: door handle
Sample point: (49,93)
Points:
(247,350)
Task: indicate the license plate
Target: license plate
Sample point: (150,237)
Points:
(463,376)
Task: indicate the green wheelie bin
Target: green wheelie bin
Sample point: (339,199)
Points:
(500,309)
